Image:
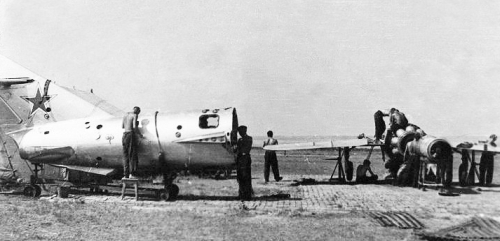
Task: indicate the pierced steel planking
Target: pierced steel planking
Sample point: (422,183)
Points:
(477,228)
(397,219)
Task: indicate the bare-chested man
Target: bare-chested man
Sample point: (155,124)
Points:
(130,127)
(270,159)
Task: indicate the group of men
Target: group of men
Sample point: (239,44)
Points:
(404,167)
(244,161)
(401,167)
(242,150)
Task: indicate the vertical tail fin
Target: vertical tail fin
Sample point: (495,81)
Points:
(19,107)
(33,100)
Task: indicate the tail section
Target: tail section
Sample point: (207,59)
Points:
(27,100)
(21,107)
(32,100)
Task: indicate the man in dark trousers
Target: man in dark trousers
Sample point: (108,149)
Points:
(379,124)
(445,170)
(270,159)
(130,127)
(486,163)
(243,164)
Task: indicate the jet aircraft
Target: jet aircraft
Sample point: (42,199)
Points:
(81,133)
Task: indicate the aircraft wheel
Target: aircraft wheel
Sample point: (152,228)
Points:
(170,193)
(29,191)
(163,195)
(38,190)
(174,191)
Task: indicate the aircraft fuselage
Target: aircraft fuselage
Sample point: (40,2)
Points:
(190,140)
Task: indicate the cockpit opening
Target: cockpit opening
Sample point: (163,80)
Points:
(209,121)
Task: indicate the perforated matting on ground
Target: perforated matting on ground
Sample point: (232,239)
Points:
(478,228)
(396,219)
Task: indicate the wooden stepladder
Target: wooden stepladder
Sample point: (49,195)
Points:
(473,172)
(341,173)
(345,171)
(134,183)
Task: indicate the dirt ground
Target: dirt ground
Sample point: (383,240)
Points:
(207,209)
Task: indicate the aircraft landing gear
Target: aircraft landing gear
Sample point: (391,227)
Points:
(38,190)
(32,191)
(169,193)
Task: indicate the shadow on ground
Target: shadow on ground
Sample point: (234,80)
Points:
(275,197)
(150,197)
(311,181)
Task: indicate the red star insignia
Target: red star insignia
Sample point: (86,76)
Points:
(38,102)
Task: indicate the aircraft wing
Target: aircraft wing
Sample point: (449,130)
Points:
(94,170)
(318,145)
(475,146)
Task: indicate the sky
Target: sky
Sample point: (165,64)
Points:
(295,67)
